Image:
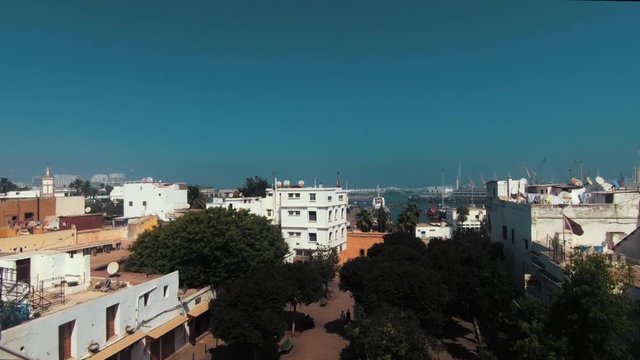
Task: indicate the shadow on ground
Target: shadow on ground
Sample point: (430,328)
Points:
(303,321)
(225,352)
(336,327)
(453,330)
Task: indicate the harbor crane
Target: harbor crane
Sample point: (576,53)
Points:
(533,174)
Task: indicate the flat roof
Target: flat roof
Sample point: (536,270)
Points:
(28,254)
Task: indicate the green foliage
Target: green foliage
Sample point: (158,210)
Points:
(195,197)
(364,220)
(6,185)
(303,286)
(326,262)
(387,335)
(384,223)
(106,207)
(77,186)
(254,187)
(408,219)
(108,189)
(463,214)
(591,313)
(209,247)
(250,312)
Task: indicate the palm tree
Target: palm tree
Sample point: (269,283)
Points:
(383,220)
(408,220)
(364,220)
(196,198)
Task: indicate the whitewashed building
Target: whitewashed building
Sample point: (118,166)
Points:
(530,222)
(428,231)
(154,198)
(308,216)
(132,316)
(474,219)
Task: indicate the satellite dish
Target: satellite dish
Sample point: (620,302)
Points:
(87,209)
(599,180)
(112,268)
(565,196)
(278,183)
(301,183)
(287,183)
(589,181)
(607,187)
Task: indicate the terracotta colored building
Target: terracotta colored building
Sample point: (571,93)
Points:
(26,209)
(358,243)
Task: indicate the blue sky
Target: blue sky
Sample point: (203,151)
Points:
(385,92)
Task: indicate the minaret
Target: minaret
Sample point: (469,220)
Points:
(48,187)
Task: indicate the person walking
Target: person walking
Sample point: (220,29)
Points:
(342,316)
(348,315)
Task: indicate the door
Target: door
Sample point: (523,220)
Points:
(168,344)
(111,321)
(23,270)
(155,349)
(65,331)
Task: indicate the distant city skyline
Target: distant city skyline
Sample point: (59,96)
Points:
(385,93)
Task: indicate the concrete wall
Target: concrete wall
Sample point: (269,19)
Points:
(358,242)
(42,241)
(50,267)
(38,338)
(70,205)
(141,199)
(10,208)
(140,225)
(101,235)
(428,231)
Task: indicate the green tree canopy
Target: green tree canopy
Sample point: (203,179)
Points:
(6,185)
(408,219)
(304,286)
(463,214)
(250,313)
(384,221)
(209,247)
(196,198)
(591,312)
(254,186)
(364,220)
(326,261)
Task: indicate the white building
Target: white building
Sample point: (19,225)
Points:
(529,220)
(154,198)
(474,219)
(308,216)
(134,317)
(426,232)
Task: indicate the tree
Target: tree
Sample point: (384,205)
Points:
(326,261)
(250,313)
(383,219)
(254,187)
(463,214)
(86,189)
(304,286)
(386,335)
(592,312)
(6,185)
(364,220)
(106,207)
(408,219)
(209,247)
(108,189)
(196,198)
(77,185)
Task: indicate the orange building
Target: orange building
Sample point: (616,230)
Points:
(358,243)
(26,209)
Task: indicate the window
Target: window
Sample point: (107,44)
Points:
(342,232)
(144,203)
(330,236)
(329,198)
(145,299)
(361,252)
(513,235)
(340,197)
(112,312)
(504,232)
(294,195)
(313,237)
(294,234)
(526,243)
(28,216)
(342,214)
(165,291)
(294,212)
(329,215)
(130,203)
(313,216)
(312,197)
(269,213)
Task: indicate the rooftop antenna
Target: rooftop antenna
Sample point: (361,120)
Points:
(458,178)
(442,188)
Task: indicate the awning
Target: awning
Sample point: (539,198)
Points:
(168,326)
(118,346)
(199,309)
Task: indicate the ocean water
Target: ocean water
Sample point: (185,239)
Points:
(398,200)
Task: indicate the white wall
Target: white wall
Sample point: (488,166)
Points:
(428,231)
(160,199)
(38,338)
(69,205)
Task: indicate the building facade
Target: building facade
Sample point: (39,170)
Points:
(530,222)
(154,198)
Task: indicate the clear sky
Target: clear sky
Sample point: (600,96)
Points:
(386,92)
